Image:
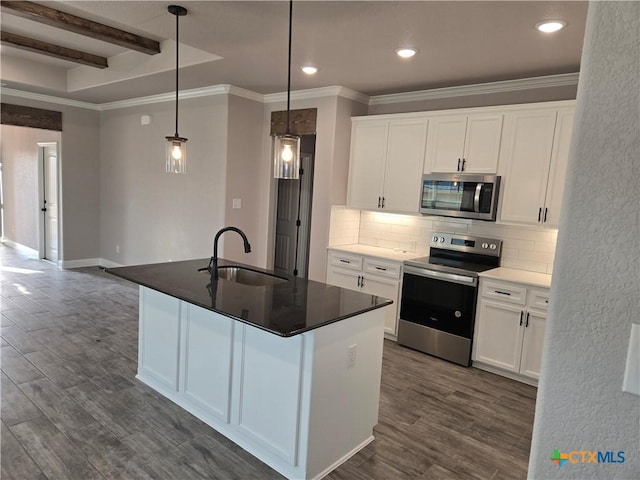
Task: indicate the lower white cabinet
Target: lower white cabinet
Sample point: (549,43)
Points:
(509,331)
(370,275)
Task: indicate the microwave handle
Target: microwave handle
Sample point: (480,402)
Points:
(476,197)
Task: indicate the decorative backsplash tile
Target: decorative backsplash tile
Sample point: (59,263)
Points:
(525,248)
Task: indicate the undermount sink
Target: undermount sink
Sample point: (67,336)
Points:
(246,276)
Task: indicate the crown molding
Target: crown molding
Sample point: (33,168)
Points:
(167,97)
(478,89)
(48,98)
(311,93)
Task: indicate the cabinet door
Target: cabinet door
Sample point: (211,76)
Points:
(527,157)
(558,168)
(368,153)
(385,288)
(404,165)
(532,344)
(445,143)
(343,278)
(482,143)
(159,336)
(499,335)
(206,352)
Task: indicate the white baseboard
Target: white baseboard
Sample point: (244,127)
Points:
(109,264)
(28,251)
(89,262)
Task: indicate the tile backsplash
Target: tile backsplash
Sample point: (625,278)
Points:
(525,248)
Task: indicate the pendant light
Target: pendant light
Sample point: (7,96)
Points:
(286,147)
(176,152)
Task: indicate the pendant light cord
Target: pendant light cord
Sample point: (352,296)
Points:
(177,66)
(289,65)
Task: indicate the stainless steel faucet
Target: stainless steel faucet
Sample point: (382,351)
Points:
(213,263)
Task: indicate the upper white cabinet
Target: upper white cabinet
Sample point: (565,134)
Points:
(535,156)
(464,143)
(387,158)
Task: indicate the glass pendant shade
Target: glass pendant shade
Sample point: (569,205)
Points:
(286,156)
(176,155)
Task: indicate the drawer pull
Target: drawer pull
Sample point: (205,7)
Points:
(502,293)
(344,261)
(380,268)
(546,301)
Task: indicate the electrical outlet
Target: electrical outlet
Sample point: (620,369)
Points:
(352,354)
(117,248)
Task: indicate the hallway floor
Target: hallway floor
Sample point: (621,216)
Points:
(72,408)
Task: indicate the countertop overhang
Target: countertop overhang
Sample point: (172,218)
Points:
(285,309)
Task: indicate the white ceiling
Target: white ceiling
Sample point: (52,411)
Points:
(352,43)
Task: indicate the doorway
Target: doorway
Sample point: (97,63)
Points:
(48,194)
(293,215)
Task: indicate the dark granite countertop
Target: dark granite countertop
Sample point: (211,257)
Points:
(286,309)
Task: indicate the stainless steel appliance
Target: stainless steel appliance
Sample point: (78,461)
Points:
(439,292)
(460,195)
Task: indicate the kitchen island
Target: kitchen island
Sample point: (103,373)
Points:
(289,369)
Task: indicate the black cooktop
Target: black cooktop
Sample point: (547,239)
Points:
(449,265)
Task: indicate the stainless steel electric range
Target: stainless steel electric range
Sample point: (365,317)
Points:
(439,292)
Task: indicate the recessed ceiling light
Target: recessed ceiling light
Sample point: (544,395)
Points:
(551,26)
(309,69)
(406,52)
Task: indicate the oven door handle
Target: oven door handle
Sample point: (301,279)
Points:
(450,277)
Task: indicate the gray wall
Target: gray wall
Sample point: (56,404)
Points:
(595,296)
(19,150)
(247,163)
(79,177)
(153,216)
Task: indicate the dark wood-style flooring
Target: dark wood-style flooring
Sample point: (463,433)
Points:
(71,407)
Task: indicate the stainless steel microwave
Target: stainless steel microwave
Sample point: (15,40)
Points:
(460,195)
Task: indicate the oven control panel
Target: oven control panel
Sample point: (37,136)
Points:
(467,243)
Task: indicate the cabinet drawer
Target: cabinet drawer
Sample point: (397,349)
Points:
(344,260)
(539,299)
(504,292)
(382,268)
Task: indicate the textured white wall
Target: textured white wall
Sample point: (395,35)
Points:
(596,279)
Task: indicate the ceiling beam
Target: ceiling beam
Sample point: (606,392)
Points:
(82,26)
(51,50)
(22,116)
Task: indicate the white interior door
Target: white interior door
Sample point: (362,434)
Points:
(50,202)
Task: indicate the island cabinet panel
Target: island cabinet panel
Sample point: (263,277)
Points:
(158,343)
(302,404)
(206,361)
(268,397)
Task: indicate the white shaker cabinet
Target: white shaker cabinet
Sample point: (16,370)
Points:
(535,156)
(464,143)
(387,158)
(369,275)
(509,331)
